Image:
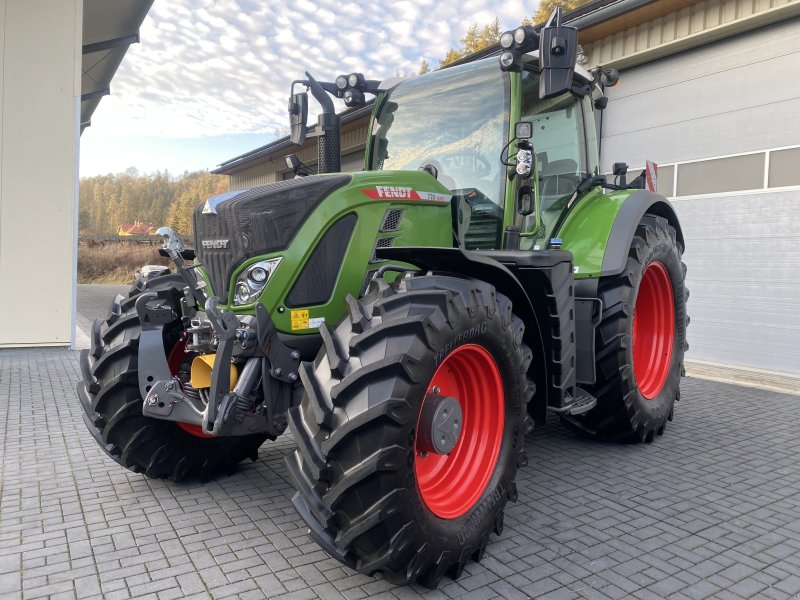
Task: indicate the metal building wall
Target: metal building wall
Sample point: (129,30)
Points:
(269,169)
(739,97)
(40,42)
(705,21)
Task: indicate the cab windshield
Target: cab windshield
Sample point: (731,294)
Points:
(453,123)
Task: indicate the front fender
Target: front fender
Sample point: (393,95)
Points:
(480,265)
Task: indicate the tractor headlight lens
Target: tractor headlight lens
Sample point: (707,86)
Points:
(506,40)
(252,280)
(258,275)
(519,35)
(341,82)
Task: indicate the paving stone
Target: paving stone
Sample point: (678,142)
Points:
(704,512)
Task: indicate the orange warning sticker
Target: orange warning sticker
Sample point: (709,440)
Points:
(299,319)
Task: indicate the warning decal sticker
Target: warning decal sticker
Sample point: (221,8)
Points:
(299,319)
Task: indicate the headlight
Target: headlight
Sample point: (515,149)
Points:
(252,280)
(506,40)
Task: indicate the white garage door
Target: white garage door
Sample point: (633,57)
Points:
(723,122)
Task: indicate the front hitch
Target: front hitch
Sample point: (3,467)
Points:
(230,410)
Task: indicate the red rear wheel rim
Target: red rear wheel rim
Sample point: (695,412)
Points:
(174,361)
(653,330)
(451,484)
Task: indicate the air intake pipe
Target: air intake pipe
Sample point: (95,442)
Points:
(328,130)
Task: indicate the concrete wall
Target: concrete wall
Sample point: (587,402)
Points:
(40,45)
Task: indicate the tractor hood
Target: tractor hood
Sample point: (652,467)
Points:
(232,227)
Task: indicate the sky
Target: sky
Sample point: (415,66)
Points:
(210,79)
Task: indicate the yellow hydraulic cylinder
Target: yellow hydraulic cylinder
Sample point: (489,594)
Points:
(202,366)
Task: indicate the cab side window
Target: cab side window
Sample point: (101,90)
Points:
(558,140)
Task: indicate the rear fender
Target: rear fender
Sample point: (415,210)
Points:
(628,218)
(600,229)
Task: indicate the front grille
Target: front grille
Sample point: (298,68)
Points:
(386,242)
(256,221)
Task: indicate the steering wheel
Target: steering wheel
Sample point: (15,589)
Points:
(461,161)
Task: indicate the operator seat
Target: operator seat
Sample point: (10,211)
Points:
(559,177)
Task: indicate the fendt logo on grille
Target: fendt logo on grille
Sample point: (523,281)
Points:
(215,244)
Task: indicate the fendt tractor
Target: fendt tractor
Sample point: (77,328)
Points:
(411,322)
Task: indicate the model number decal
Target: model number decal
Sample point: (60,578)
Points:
(403,193)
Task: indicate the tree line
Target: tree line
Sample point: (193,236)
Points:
(108,201)
(478,38)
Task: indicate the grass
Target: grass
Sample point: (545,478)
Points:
(115,263)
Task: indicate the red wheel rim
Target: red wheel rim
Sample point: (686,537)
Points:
(174,362)
(653,330)
(451,484)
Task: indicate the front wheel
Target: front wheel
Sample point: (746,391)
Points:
(112,403)
(411,428)
(641,339)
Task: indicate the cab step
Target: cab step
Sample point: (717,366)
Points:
(580,402)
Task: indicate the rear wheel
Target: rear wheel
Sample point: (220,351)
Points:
(641,339)
(109,393)
(411,428)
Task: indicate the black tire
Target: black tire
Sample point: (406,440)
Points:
(623,413)
(109,394)
(354,468)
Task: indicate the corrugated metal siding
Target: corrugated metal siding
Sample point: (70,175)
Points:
(742,249)
(674,27)
(728,97)
(742,253)
(269,170)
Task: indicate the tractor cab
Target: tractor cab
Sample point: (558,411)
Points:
(459,124)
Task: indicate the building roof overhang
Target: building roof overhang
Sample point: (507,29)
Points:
(109,28)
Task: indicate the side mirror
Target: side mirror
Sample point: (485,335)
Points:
(298,113)
(558,50)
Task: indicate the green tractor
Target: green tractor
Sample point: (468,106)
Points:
(410,323)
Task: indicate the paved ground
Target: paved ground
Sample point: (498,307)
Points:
(93,302)
(711,510)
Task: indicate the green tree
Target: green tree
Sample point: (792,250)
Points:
(476,39)
(546,8)
(108,201)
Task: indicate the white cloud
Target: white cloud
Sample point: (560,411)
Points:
(214,67)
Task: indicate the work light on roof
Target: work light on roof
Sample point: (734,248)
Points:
(511,60)
(341,82)
(356,80)
(526,38)
(516,43)
(353,98)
